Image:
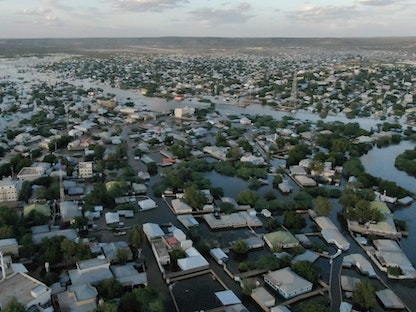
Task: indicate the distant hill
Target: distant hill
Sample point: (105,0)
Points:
(10,47)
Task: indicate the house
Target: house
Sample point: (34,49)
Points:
(41,232)
(390,300)
(27,290)
(180,207)
(110,250)
(8,190)
(287,283)
(193,260)
(146,204)
(227,297)
(331,234)
(219,255)
(128,275)
(30,173)
(112,217)
(280,239)
(85,169)
(69,211)
(80,298)
(90,271)
(9,246)
(263,298)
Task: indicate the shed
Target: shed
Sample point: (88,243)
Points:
(146,204)
(227,297)
(263,297)
(390,300)
(152,230)
(219,255)
(112,217)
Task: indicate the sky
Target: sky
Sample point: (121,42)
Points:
(206,18)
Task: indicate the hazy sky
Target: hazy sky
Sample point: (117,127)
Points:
(224,18)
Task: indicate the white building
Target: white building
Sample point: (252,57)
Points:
(8,190)
(287,283)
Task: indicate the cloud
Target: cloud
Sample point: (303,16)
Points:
(35,12)
(234,15)
(146,5)
(378,2)
(318,14)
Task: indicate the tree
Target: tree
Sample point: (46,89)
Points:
(137,237)
(152,168)
(122,255)
(363,295)
(234,153)
(68,248)
(51,249)
(194,197)
(240,246)
(25,191)
(247,197)
(323,207)
(293,220)
(307,270)
(14,306)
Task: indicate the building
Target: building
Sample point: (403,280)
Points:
(81,298)
(27,290)
(69,211)
(85,170)
(30,173)
(331,234)
(8,190)
(280,239)
(287,283)
(263,298)
(9,246)
(90,271)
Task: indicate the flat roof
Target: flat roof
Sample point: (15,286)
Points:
(281,237)
(389,299)
(227,297)
(288,280)
(20,286)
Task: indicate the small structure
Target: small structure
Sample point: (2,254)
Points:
(360,262)
(219,255)
(188,220)
(193,260)
(112,217)
(9,246)
(280,239)
(69,211)
(128,276)
(152,230)
(287,283)
(306,256)
(331,233)
(227,297)
(146,204)
(180,207)
(263,298)
(90,271)
(81,298)
(390,300)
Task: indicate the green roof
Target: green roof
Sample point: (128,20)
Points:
(281,238)
(43,209)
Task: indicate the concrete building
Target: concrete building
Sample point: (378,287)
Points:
(85,169)
(280,239)
(81,298)
(331,234)
(30,173)
(287,283)
(8,190)
(27,290)
(90,271)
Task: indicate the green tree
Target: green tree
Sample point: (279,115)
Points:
(14,306)
(364,296)
(240,246)
(307,270)
(194,197)
(137,237)
(68,248)
(152,168)
(25,191)
(247,197)
(122,256)
(323,207)
(294,221)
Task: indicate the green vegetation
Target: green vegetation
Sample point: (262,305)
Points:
(406,162)
(307,270)
(363,296)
